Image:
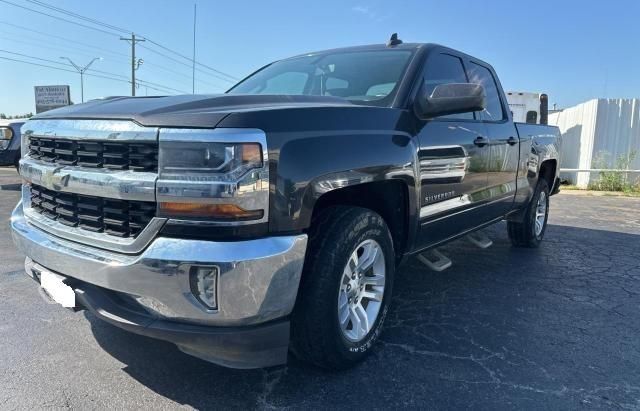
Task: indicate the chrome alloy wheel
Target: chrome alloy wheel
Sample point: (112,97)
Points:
(541,213)
(361,290)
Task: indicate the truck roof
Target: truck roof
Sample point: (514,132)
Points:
(367,47)
(380,47)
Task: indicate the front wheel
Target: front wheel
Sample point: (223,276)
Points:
(530,231)
(345,289)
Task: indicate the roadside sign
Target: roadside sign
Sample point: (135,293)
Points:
(50,97)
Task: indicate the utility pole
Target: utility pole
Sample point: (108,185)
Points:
(193,61)
(81,70)
(135,63)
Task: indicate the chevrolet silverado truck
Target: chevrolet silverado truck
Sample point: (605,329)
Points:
(271,218)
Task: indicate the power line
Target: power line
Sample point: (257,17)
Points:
(87,74)
(61,69)
(111,27)
(139,80)
(35,58)
(91,46)
(37,42)
(156,89)
(231,79)
(184,64)
(72,71)
(94,70)
(199,80)
(59,18)
(78,16)
(60,63)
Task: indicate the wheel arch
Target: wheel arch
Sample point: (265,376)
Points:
(548,172)
(389,198)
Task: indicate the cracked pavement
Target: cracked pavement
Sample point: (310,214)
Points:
(504,328)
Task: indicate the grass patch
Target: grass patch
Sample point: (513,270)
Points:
(626,183)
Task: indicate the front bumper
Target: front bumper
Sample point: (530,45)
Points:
(257,282)
(255,346)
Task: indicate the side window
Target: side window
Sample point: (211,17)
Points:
(532,117)
(445,69)
(481,75)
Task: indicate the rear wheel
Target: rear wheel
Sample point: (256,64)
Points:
(530,231)
(345,289)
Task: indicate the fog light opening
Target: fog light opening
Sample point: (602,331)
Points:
(204,285)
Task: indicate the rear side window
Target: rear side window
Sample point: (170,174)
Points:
(481,75)
(445,69)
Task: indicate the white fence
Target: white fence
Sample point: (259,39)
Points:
(609,126)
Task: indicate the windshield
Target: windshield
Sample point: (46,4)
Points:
(369,77)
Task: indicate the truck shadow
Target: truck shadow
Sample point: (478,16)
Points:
(501,318)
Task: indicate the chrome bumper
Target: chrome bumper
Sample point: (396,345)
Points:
(258,279)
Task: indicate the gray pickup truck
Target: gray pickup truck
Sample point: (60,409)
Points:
(271,219)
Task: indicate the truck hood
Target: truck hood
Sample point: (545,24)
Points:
(185,110)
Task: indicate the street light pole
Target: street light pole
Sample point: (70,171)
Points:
(81,70)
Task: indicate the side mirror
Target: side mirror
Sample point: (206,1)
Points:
(452,98)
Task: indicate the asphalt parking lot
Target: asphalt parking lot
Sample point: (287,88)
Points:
(553,328)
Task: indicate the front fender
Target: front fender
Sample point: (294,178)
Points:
(334,163)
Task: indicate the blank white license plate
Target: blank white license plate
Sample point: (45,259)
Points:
(59,292)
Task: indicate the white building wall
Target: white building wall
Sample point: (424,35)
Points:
(599,125)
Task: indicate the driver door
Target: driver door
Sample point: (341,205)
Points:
(454,156)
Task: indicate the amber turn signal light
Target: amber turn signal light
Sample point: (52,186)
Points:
(251,153)
(216,211)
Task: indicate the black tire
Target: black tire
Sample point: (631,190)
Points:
(316,334)
(523,234)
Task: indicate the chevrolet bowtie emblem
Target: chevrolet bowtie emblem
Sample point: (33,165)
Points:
(55,179)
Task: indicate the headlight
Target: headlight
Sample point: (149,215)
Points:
(218,175)
(209,161)
(6,133)
(5,137)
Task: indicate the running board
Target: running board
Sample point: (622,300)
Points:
(435,260)
(480,239)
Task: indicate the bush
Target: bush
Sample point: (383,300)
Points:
(613,180)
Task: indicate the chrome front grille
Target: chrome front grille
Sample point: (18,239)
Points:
(116,155)
(114,217)
(92,181)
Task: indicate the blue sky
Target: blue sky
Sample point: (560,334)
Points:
(572,50)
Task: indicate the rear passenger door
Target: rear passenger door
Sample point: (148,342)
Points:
(453,156)
(503,141)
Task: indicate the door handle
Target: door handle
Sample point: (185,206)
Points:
(480,141)
(512,141)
